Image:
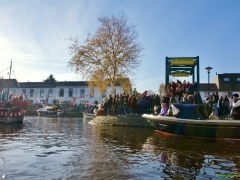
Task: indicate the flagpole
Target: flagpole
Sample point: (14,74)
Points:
(9,80)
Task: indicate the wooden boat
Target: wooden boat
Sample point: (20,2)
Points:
(48,111)
(191,120)
(88,115)
(12,111)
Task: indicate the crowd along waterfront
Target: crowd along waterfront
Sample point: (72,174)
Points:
(71,148)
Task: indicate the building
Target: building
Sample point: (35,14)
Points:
(225,84)
(56,92)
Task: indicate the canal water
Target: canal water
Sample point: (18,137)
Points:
(70,148)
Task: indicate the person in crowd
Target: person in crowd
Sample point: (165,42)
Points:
(190,99)
(100,111)
(138,100)
(8,104)
(215,101)
(185,98)
(3,97)
(113,109)
(177,99)
(164,109)
(11,96)
(143,102)
(165,99)
(20,98)
(157,100)
(157,110)
(116,104)
(105,106)
(196,97)
(125,102)
(235,113)
(172,99)
(220,105)
(109,105)
(152,103)
(134,103)
(225,105)
(130,104)
(120,105)
(209,106)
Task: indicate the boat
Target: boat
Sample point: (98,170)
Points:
(12,111)
(88,115)
(49,111)
(191,120)
(11,115)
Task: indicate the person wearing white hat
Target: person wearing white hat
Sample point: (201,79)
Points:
(235,107)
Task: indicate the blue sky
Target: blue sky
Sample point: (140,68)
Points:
(34,35)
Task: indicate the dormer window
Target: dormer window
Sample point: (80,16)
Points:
(226,80)
(238,80)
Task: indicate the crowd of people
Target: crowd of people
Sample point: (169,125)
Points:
(140,103)
(177,92)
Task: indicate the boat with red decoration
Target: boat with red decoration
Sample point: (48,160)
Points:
(12,110)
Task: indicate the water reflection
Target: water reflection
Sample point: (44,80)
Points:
(70,148)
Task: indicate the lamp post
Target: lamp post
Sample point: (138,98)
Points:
(208,70)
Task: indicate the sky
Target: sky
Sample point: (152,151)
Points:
(34,35)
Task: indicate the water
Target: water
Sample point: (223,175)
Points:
(70,148)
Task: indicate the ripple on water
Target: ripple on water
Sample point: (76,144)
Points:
(69,148)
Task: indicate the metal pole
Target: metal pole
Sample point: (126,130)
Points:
(9,80)
(208,83)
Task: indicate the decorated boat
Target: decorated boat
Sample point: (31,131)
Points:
(192,120)
(49,111)
(12,111)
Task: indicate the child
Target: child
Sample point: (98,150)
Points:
(157,110)
(163,109)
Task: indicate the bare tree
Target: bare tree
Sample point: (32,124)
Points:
(150,92)
(111,54)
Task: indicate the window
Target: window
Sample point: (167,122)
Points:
(92,93)
(226,80)
(104,94)
(70,92)
(82,92)
(31,92)
(229,94)
(61,93)
(50,92)
(205,93)
(14,92)
(238,80)
(24,91)
(41,92)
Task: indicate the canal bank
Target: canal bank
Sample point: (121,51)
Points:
(128,121)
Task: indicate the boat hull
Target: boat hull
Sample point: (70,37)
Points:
(207,129)
(47,113)
(11,115)
(88,115)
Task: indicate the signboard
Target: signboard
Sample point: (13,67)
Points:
(177,62)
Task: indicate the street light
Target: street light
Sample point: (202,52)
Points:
(208,70)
